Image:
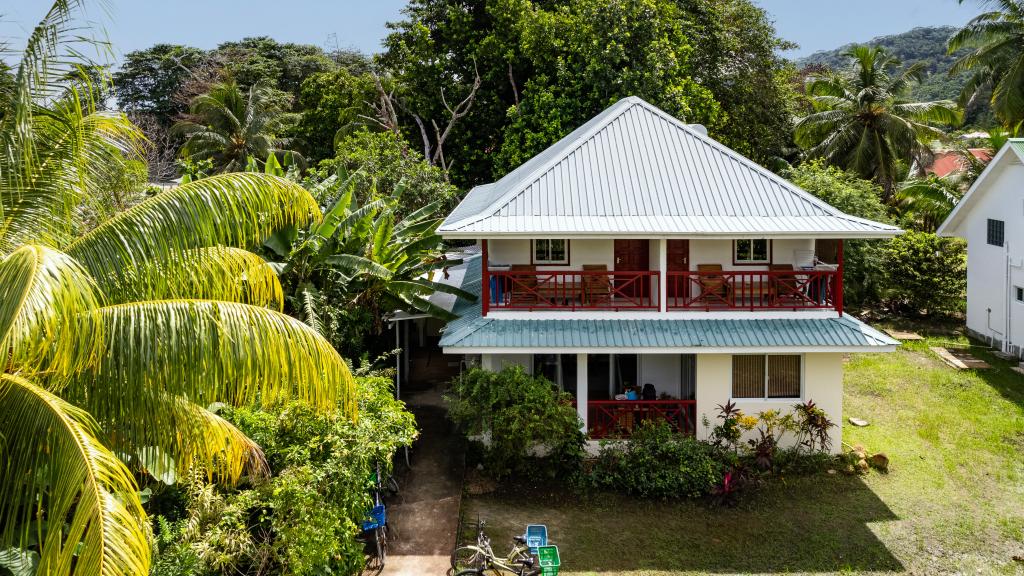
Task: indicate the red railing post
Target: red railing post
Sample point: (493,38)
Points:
(839,279)
(485,287)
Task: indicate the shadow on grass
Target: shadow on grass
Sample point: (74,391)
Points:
(811,524)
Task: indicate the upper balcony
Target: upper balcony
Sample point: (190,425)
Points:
(686,275)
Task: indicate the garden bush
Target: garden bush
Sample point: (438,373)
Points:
(528,426)
(926,274)
(302,519)
(658,463)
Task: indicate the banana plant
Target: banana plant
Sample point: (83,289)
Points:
(362,255)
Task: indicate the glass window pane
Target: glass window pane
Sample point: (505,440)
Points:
(760,250)
(784,376)
(540,250)
(742,250)
(557,251)
(748,376)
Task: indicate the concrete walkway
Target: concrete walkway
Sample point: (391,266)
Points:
(424,516)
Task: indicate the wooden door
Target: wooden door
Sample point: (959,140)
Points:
(633,256)
(827,250)
(678,261)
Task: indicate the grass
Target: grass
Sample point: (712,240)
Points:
(952,503)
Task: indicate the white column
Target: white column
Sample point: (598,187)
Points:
(663,274)
(581,388)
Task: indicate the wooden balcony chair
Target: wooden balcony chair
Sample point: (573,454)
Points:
(597,288)
(713,287)
(786,287)
(523,285)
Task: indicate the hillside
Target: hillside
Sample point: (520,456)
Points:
(926,44)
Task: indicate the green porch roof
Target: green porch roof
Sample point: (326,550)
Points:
(833,333)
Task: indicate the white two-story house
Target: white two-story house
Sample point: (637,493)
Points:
(637,257)
(991,218)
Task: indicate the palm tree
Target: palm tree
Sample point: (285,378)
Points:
(995,40)
(863,124)
(228,126)
(928,201)
(115,338)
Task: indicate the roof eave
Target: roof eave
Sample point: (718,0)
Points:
(882,348)
(779,235)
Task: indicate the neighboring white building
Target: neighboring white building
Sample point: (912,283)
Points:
(637,250)
(991,218)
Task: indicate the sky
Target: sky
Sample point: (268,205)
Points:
(137,24)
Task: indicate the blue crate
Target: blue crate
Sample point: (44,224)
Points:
(536,536)
(377,518)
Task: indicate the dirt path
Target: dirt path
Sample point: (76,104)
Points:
(425,515)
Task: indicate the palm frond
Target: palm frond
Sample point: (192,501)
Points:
(214,273)
(237,210)
(57,470)
(43,295)
(207,351)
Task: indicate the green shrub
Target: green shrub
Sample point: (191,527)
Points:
(304,518)
(926,274)
(522,418)
(658,463)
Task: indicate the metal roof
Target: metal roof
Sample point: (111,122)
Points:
(471,331)
(1012,153)
(634,169)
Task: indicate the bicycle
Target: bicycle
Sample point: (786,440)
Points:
(375,527)
(479,559)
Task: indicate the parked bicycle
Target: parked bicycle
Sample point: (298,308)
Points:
(478,559)
(375,526)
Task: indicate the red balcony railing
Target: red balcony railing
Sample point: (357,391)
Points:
(761,290)
(572,290)
(619,418)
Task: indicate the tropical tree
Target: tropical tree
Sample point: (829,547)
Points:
(116,338)
(995,40)
(927,201)
(362,260)
(228,126)
(861,121)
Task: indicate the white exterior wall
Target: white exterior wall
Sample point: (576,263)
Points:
(822,382)
(993,271)
(602,251)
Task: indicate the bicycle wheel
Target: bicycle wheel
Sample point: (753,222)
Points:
(392,485)
(381,537)
(477,572)
(467,558)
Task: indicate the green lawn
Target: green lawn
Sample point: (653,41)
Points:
(953,502)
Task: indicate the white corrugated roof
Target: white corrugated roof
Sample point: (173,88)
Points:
(636,170)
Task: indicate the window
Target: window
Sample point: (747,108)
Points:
(550,251)
(1018,293)
(757,251)
(996,230)
(761,376)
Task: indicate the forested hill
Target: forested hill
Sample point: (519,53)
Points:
(925,44)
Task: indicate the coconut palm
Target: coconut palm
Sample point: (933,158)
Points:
(928,201)
(228,126)
(995,43)
(861,121)
(115,338)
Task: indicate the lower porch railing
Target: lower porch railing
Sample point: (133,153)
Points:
(619,418)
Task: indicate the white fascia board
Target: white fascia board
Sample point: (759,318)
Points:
(669,350)
(604,235)
(500,315)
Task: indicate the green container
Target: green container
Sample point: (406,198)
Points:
(549,560)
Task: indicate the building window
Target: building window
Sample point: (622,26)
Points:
(766,376)
(550,251)
(1018,293)
(996,230)
(756,251)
